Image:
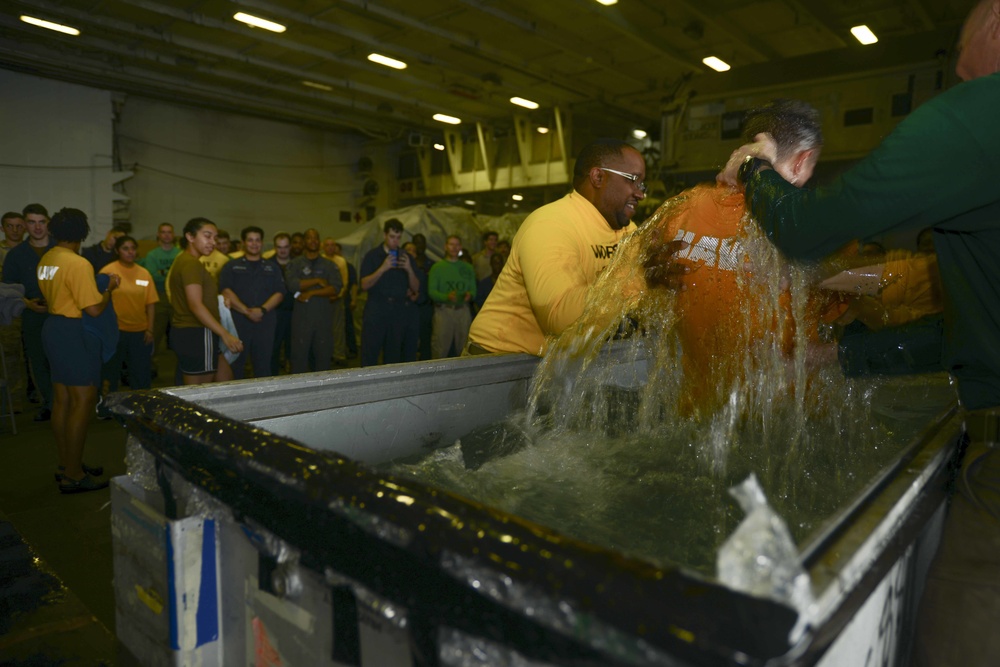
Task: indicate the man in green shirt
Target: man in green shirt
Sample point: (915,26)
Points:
(452,286)
(937,169)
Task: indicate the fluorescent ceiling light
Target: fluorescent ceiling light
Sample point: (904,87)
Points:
(470,202)
(717,64)
(521,102)
(608,3)
(257,22)
(444,118)
(317,86)
(50,25)
(439,147)
(864,34)
(517,197)
(542,130)
(639,134)
(386,60)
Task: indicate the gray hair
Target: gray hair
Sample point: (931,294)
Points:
(793,124)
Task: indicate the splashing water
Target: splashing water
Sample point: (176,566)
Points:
(632,443)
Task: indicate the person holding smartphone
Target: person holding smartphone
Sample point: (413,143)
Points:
(391,324)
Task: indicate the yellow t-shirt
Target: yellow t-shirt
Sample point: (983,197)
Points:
(556,256)
(136,291)
(342,267)
(214,263)
(67,282)
(912,288)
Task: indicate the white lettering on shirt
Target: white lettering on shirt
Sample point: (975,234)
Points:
(725,253)
(47,272)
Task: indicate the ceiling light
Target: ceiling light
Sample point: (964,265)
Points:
(543,130)
(608,3)
(317,86)
(517,197)
(50,25)
(521,102)
(444,118)
(717,64)
(439,147)
(386,60)
(639,134)
(864,34)
(470,202)
(257,22)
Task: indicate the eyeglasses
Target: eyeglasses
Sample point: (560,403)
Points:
(632,177)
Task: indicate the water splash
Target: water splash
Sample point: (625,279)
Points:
(629,443)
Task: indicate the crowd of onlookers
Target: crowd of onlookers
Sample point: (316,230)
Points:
(285,321)
(225,307)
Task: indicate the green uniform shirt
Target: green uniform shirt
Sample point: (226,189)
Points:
(446,277)
(157,261)
(937,169)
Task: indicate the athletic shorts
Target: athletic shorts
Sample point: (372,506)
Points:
(74,355)
(197,349)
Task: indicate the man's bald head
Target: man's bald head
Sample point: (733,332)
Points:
(979,43)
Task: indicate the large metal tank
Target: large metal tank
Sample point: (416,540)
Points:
(252,529)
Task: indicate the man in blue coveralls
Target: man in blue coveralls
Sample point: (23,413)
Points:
(255,287)
(391,324)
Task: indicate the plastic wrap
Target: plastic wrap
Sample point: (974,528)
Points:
(560,615)
(141,465)
(760,557)
(459,649)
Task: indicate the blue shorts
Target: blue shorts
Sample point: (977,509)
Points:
(74,355)
(197,349)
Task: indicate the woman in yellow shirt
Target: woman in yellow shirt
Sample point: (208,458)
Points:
(67,282)
(134,305)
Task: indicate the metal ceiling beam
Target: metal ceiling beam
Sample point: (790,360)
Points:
(291,45)
(817,13)
(276,11)
(567,44)
(471,44)
(925,19)
(199,47)
(758,48)
(614,17)
(39,60)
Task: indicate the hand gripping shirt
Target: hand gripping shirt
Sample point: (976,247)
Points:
(556,256)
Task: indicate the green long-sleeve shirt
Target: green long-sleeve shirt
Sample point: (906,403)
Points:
(937,169)
(446,277)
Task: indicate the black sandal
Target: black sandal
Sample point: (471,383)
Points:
(93,472)
(82,485)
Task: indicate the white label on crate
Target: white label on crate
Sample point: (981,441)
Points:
(872,637)
(287,611)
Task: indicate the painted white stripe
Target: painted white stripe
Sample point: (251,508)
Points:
(207,346)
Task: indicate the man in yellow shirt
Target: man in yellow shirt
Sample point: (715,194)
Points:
(559,252)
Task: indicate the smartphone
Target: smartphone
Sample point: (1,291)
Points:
(395,256)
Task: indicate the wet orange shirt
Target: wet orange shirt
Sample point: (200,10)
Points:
(723,308)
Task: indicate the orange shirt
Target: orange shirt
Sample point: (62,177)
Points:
(67,282)
(723,310)
(132,296)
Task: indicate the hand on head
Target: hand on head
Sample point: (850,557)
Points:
(763,147)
